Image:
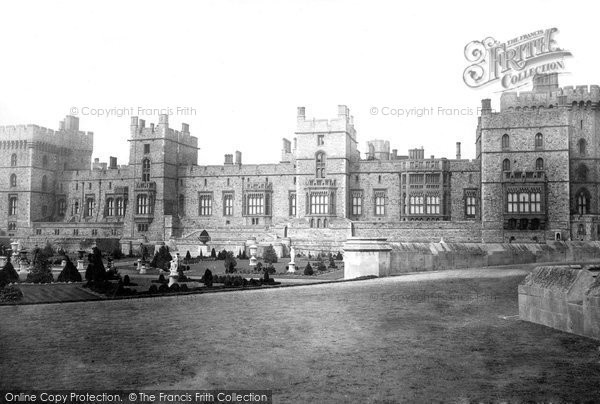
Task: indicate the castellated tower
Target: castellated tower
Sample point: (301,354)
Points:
(325,150)
(33,157)
(156,152)
(539,155)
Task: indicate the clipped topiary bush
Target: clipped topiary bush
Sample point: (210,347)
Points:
(126,280)
(183,288)
(163,288)
(308,270)
(41,271)
(9,271)
(174,287)
(153,289)
(69,273)
(10,293)
(269,255)
(321,266)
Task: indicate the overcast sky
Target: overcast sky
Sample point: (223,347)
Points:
(244,66)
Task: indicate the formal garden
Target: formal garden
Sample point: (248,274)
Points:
(102,275)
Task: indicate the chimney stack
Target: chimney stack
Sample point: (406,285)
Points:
(301,113)
(113,162)
(458,150)
(228,159)
(238,158)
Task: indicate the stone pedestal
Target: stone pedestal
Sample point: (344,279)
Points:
(141,267)
(366,257)
(253,260)
(15,252)
(80,265)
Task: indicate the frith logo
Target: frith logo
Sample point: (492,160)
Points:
(514,62)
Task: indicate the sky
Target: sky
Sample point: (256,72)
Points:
(236,71)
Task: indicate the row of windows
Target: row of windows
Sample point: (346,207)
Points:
(14,160)
(539,164)
(524,202)
(538,141)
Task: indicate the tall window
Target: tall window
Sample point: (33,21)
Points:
(320,140)
(581,145)
(89,207)
(416,205)
(380,197)
(506,165)
(146,148)
(512,205)
(505,141)
(62,207)
(539,164)
(181,204)
(255,204)
(44,183)
(110,207)
(142,205)
(319,203)
(75,208)
(13,160)
(524,202)
(119,207)
(228,204)
(432,205)
(357,198)
(146,170)
(205,204)
(582,172)
(12,205)
(13,180)
(470,204)
(583,201)
(292,210)
(539,141)
(320,163)
(536,202)
(45,161)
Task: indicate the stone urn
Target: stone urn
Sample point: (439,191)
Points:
(80,260)
(141,266)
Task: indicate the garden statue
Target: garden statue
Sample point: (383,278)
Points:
(292,264)
(174,270)
(253,260)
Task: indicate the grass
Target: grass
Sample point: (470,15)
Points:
(373,341)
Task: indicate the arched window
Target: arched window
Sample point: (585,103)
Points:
(582,145)
(89,207)
(181,204)
(62,207)
(119,207)
(505,141)
(45,161)
(320,163)
(110,207)
(582,201)
(13,160)
(582,172)
(13,180)
(44,183)
(145,170)
(142,204)
(539,164)
(506,165)
(539,141)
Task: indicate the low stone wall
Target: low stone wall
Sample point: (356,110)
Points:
(563,297)
(411,257)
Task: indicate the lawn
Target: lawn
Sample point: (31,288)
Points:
(392,339)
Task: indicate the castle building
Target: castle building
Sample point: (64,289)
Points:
(534,178)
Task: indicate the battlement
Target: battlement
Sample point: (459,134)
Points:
(343,123)
(162,130)
(69,136)
(566,96)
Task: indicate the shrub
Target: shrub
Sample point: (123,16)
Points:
(207,278)
(162,259)
(3,279)
(321,266)
(126,280)
(332,263)
(41,272)
(269,255)
(117,253)
(48,251)
(163,288)
(10,293)
(258,267)
(153,289)
(188,256)
(213,253)
(161,279)
(174,287)
(270,269)
(230,262)
(69,273)
(339,256)
(308,270)
(183,288)
(9,270)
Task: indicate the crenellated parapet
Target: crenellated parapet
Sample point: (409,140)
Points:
(162,130)
(343,123)
(569,96)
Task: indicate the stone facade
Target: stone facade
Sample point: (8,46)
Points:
(534,178)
